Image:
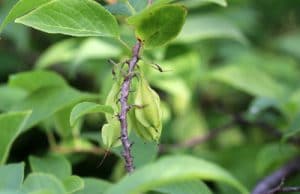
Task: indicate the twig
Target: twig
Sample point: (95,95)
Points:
(266,186)
(276,133)
(289,189)
(51,140)
(197,140)
(125,89)
(277,188)
(271,130)
(237,119)
(64,150)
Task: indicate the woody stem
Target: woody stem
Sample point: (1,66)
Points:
(125,90)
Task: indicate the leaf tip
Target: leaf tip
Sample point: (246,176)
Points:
(224,3)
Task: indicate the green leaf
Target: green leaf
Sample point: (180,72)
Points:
(193,3)
(193,123)
(10,96)
(94,186)
(11,125)
(13,192)
(293,129)
(19,35)
(186,187)
(197,3)
(138,5)
(119,8)
(178,90)
(271,156)
(143,152)
(289,43)
(209,27)
(62,123)
(47,101)
(158,25)
(72,17)
(38,182)
(43,191)
(160,2)
(292,106)
(55,165)
(95,48)
(261,103)
(11,176)
(76,51)
(73,184)
(84,108)
(34,80)
(61,52)
(173,169)
(183,67)
(258,84)
(20,9)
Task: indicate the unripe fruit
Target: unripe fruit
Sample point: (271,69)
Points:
(111,133)
(141,131)
(112,100)
(149,114)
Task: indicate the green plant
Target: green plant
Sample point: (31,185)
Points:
(157,71)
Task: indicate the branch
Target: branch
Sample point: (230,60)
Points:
(289,189)
(125,89)
(277,133)
(266,186)
(65,150)
(237,119)
(197,140)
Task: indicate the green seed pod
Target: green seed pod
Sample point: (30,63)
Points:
(149,116)
(141,131)
(112,100)
(110,133)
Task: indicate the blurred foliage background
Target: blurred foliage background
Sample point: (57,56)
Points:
(232,73)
